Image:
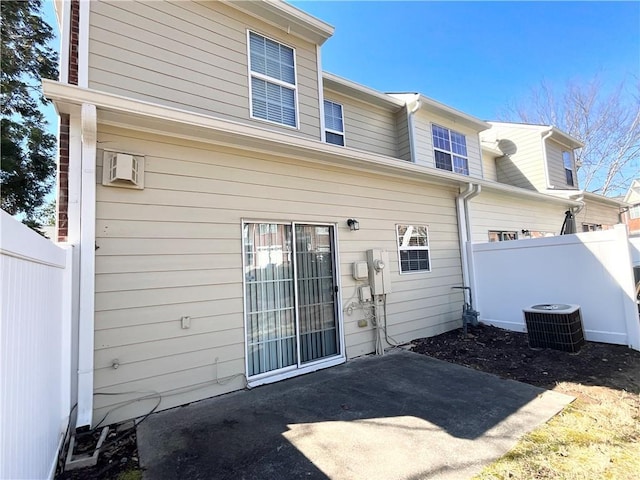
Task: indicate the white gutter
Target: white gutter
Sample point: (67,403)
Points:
(464,228)
(544,158)
(578,209)
(411,128)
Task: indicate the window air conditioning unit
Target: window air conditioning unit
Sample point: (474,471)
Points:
(555,325)
(123,170)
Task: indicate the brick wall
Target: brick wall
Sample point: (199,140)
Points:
(63,179)
(62,220)
(73,42)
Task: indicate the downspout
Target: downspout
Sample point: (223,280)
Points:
(411,127)
(544,158)
(464,228)
(87,266)
(323,133)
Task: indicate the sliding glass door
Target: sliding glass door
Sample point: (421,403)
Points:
(290,295)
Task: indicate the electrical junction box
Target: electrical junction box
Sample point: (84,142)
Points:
(360,270)
(364,293)
(379,271)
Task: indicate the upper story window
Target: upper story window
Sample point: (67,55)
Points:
(273,81)
(413,248)
(568,167)
(333,123)
(450,150)
(634,212)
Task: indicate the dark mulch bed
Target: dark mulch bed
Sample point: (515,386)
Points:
(508,355)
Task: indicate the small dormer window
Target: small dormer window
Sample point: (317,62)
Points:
(568,167)
(273,81)
(333,123)
(450,150)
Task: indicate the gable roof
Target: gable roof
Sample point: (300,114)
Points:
(633,194)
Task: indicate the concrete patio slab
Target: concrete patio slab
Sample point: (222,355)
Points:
(400,416)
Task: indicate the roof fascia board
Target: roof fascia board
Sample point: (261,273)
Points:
(557,134)
(286,17)
(565,139)
(118,110)
(360,92)
(436,107)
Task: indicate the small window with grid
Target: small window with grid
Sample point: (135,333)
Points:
(413,248)
(450,150)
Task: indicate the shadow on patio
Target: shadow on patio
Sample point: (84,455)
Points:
(403,415)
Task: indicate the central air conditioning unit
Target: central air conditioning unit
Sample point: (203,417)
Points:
(555,325)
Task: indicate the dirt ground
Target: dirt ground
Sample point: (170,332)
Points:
(507,354)
(118,458)
(608,368)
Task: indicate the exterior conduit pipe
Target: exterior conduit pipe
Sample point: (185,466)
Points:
(411,127)
(544,158)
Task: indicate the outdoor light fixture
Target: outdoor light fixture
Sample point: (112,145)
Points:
(353,224)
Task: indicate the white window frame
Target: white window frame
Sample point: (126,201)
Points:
(450,152)
(297,369)
(634,212)
(275,81)
(567,157)
(330,130)
(426,248)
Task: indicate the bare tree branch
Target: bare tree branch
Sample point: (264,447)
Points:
(607,123)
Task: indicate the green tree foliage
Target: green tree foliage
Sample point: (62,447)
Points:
(28,150)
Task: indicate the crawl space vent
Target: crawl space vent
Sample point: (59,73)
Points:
(123,170)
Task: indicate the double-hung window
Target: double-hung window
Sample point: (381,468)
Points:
(413,248)
(568,167)
(450,150)
(273,81)
(333,123)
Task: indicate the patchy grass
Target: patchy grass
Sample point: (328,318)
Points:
(596,437)
(132,474)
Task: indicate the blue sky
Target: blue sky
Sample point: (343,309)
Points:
(479,56)
(474,56)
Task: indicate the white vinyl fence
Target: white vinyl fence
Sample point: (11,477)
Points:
(35,345)
(592,270)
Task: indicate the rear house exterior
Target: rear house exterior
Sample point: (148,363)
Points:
(241,215)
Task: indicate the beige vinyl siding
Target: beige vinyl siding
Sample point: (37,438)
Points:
(424,141)
(499,211)
(192,56)
(366,126)
(555,162)
(489,166)
(174,249)
(525,167)
(597,213)
(402,127)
